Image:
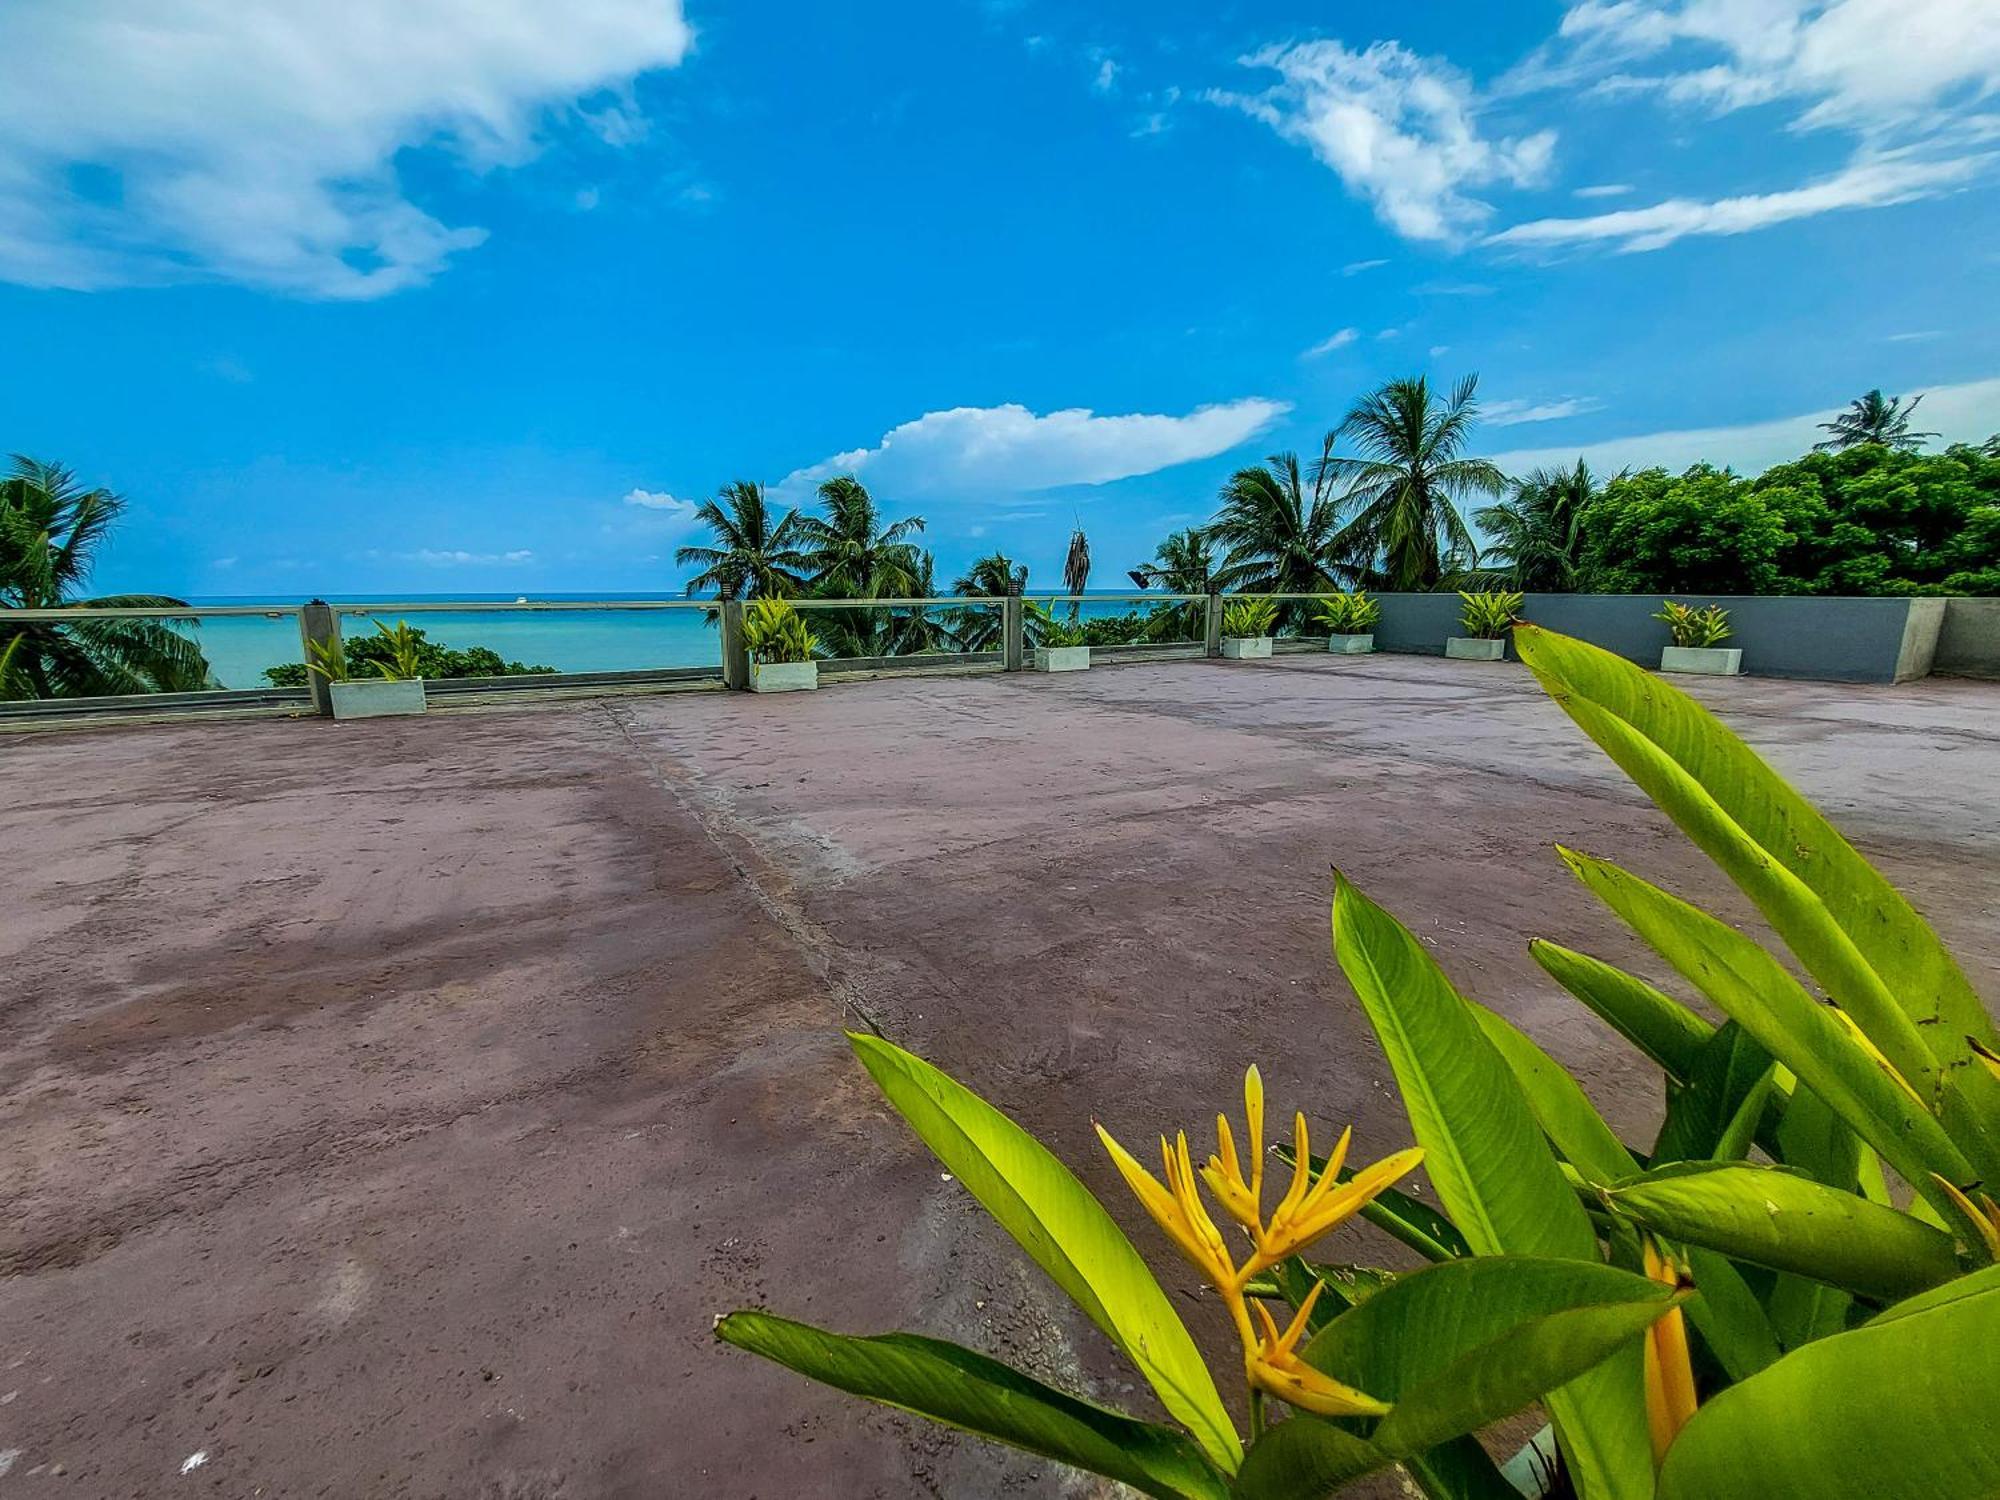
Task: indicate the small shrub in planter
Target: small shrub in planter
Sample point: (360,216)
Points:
(396,689)
(781,648)
(1246,628)
(1485,618)
(1349,621)
(1061,646)
(1698,637)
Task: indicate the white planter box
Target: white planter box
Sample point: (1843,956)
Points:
(1474,648)
(1062,658)
(1720,661)
(784,676)
(1246,647)
(376,698)
(1350,645)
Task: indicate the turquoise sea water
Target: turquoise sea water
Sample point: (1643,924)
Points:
(239,648)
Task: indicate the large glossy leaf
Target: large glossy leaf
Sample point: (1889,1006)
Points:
(1657,1024)
(1812,1139)
(954,1385)
(1493,1172)
(1851,929)
(1756,990)
(1304,1458)
(1701,1111)
(1038,1200)
(1460,1344)
(1906,1405)
(1773,1217)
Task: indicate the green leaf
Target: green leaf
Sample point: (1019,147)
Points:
(1657,1024)
(1752,987)
(1303,1458)
(1852,930)
(1773,1217)
(1904,1405)
(1460,1344)
(1066,1231)
(953,1385)
(1812,1139)
(1727,1071)
(1560,1106)
(1494,1174)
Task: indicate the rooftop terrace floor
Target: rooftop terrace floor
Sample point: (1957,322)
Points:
(389,1107)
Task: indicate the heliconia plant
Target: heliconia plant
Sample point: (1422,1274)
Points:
(1486,614)
(1746,1310)
(1249,618)
(1348,614)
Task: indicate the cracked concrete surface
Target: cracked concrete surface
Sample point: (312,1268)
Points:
(389,1107)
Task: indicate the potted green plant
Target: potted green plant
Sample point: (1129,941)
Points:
(1485,617)
(1246,628)
(1349,621)
(397,688)
(1061,645)
(781,648)
(1698,637)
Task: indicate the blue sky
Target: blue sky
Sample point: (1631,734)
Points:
(438,295)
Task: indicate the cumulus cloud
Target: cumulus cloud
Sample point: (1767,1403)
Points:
(1401,130)
(1513,413)
(661,501)
(156,140)
(1009,449)
(458,558)
(1604,190)
(1867,184)
(1338,340)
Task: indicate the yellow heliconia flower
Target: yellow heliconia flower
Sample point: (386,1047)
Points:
(1860,1037)
(1983,1212)
(1310,1208)
(1986,1055)
(1274,1367)
(1670,1398)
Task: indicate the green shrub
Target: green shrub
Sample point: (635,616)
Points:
(1349,614)
(775,632)
(1246,619)
(1487,614)
(1695,627)
(365,656)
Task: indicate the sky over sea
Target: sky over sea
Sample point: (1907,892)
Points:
(435,296)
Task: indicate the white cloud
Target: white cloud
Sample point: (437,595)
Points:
(457,558)
(660,500)
(258,144)
(1915,336)
(1962,413)
(1866,184)
(1337,340)
(1000,449)
(1107,75)
(1356,267)
(225,563)
(1513,413)
(1400,129)
(1604,190)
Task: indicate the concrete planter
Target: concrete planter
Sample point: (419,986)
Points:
(1718,661)
(1351,645)
(1062,658)
(783,676)
(376,698)
(1246,647)
(1474,648)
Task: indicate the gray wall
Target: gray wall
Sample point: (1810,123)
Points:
(1969,644)
(1844,640)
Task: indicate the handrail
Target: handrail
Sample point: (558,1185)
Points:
(934,600)
(189,612)
(515,606)
(1146,596)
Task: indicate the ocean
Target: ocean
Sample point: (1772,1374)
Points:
(239,648)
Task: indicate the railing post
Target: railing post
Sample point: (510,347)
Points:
(318,625)
(735,654)
(1011,630)
(1214,633)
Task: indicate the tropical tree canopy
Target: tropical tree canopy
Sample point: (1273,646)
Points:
(50,528)
(754,557)
(1874,418)
(851,553)
(1533,531)
(1406,481)
(1282,534)
(1076,569)
(1182,564)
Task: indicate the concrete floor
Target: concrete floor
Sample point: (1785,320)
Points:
(389,1107)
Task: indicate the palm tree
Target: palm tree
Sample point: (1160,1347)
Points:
(1534,530)
(1076,569)
(852,554)
(50,526)
(1405,487)
(1874,418)
(977,626)
(1182,564)
(1281,537)
(752,558)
